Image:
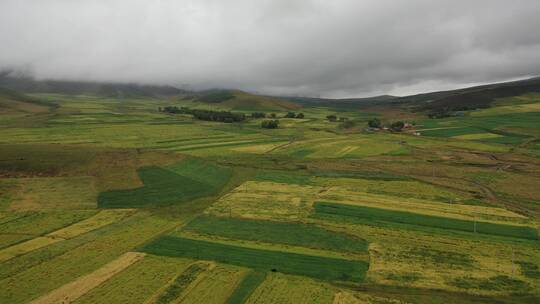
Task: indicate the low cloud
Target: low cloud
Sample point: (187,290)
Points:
(340,48)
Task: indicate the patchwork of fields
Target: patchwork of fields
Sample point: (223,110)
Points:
(108,202)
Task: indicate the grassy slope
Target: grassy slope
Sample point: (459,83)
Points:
(243,101)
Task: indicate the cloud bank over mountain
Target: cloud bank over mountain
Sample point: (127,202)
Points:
(338,48)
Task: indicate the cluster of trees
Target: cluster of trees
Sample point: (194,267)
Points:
(222,116)
(375,123)
(334,118)
(258,115)
(294,115)
(331,117)
(443,113)
(270,124)
(397,126)
(174,110)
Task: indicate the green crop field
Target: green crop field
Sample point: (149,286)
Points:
(184,181)
(264,260)
(277,232)
(107,198)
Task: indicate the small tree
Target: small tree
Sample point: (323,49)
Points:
(331,117)
(347,124)
(374,123)
(290,115)
(300,115)
(270,124)
(273,115)
(258,115)
(397,126)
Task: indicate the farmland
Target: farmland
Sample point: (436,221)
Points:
(110,200)
(313,266)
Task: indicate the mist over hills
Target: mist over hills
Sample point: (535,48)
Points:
(450,100)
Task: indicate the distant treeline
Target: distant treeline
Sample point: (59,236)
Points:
(222,116)
(225,116)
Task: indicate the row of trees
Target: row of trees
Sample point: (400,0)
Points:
(208,115)
(375,123)
(224,116)
(334,118)
(270,124)
(294,115)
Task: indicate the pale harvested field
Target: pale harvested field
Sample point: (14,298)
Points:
(74,290)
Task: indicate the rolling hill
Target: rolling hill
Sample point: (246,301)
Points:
(12,101)
(470,98)
(452,100)
(239,100)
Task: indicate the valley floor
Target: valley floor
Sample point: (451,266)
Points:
(104,201)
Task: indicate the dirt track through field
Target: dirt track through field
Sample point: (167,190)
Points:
(74,290)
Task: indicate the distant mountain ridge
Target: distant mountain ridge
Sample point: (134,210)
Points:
(472,97)
(437,101)
(30,85)
(433,102)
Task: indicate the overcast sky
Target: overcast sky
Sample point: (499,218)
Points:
(337,48)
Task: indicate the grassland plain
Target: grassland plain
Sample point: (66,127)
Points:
(267,260)
(248,196)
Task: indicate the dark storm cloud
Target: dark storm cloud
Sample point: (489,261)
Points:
(320,48)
